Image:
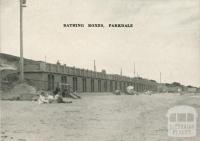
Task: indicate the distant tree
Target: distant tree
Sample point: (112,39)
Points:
(189,86)
(139,77)
(168,84)
(153,81)
(176,84)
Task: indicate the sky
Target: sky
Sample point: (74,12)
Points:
(165,36)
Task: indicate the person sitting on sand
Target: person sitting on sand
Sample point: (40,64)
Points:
(57,90)
(59,98)
(42,98)
(50,98)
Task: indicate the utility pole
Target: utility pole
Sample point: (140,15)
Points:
(121,72)
(160,77)
(94,66)
(134,69)
(45,59)
(22,5)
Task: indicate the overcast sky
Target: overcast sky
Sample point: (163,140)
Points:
(165,37)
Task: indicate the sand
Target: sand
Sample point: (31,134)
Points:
(96,117)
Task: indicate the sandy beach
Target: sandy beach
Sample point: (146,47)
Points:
(95,117)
